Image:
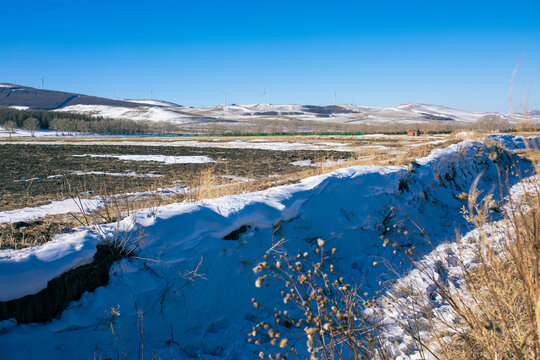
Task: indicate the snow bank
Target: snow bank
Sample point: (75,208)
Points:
(209,318)
(27,271)
(511,142)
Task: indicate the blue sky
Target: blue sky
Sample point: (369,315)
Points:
(378,53)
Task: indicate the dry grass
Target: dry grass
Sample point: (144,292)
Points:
(324,312)
(493,302)
(32,233)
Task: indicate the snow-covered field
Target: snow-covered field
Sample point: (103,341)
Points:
(210,317)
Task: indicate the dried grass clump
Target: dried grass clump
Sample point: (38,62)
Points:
(492,301)
(326,317)
(502,321)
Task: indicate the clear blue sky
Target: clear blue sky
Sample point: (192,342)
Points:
(379,53)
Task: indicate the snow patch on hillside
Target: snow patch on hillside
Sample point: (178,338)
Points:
(142,113)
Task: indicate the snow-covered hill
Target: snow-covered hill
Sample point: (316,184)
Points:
(343,113)
(16,96)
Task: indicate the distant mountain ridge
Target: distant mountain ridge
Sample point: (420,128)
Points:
(24,97)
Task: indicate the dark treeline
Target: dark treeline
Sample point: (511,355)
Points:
(66,122)
(44,116)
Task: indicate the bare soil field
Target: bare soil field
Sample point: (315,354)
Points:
(38,171)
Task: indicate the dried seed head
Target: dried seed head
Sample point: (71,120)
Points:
(283,343)
(259,282)
(320,242)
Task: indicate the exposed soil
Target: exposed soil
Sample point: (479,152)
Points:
(26,168)
(62,290)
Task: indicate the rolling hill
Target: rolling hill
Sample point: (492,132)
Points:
(24,97)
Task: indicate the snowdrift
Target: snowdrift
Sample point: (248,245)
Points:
(210,316)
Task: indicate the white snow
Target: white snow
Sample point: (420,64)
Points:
(464,134)
(149,102)
(142,113)
(54,208)
(166,159)
(26,133)
(130,174)
(308,162)
(517,142)
(26,180)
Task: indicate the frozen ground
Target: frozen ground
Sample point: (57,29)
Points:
(210,317)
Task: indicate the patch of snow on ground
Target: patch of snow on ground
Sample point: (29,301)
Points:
(237,178)
(54,208)
(308,162)
(130,174)
(166,159)
(464,134)
(26,133)
(26,180)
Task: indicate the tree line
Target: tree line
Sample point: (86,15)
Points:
(66,122)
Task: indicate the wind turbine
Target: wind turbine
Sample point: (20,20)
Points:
(151,95)
(42,78)
(224,102)
(334,98)
(264,96)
